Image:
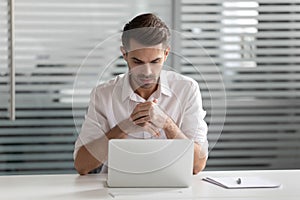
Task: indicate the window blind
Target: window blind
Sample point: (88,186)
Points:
(244,54)
(62,48)
(255,45)
(51,40)
(4,88)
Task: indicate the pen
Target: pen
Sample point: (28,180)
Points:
(239,181)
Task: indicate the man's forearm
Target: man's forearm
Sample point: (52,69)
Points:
(93,154)
(199,159)
(87,158)
(173,132)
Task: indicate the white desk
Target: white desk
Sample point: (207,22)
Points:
(44,187)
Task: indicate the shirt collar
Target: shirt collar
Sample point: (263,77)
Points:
(127,91)
(126,87)
(164,84)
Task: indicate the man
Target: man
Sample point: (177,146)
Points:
(147,102)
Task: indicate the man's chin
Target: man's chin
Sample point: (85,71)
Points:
(147,86)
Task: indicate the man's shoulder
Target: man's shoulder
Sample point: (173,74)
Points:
(174,77)
(111,83)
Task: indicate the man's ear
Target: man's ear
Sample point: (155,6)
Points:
(167,51)
(124,53)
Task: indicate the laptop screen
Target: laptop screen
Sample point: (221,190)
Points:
(150,163)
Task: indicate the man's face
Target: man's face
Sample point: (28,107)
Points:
(145,64)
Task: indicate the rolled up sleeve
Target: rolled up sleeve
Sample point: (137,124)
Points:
(193,124)
(95,124)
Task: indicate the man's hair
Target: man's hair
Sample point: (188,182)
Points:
(147,29)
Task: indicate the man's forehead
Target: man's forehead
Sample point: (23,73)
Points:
(135,46)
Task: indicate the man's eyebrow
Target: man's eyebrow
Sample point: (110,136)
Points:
(156,59)
(136,59)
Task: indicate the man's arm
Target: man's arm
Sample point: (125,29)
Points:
(93,154)
(173,132)
(150,113)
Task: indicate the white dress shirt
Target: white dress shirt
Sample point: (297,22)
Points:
(112,102)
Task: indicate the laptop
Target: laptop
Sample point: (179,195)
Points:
(150,163)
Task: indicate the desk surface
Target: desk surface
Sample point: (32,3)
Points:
(93,187)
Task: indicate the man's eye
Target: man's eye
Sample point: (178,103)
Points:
(137,62)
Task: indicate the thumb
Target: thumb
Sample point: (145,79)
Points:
(155,101)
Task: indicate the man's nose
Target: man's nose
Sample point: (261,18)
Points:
(147,69)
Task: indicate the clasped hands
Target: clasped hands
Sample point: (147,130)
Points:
(147,116)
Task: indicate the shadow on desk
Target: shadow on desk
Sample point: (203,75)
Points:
(103,191)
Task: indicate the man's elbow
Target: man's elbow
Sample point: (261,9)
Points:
(199,166)
(85,162)
(80,169)
(80,162)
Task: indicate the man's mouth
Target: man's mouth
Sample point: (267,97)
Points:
(146,80)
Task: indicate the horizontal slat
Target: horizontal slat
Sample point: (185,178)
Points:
(248,162)
(37,148)
(57,70)
(201,8)
(218,25)
(39,171)
(40,131)
(270,59)
(259,103)
(217,42)
(75,3)
(251,77)
(51,113)
(264,112)
(257,153)
(262,69)
(253,136)
(257,127)
(37,140)
(261,34)
(197,13)
(40,122)
(240,52)
(264,120)
(50,79)
(37,165)
(280,2)
(52,105)
(35,157)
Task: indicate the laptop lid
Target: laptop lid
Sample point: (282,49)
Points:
(150,163)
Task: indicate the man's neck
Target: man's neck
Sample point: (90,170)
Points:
(146,93)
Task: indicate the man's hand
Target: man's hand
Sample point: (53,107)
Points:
(127,126)
(149,112)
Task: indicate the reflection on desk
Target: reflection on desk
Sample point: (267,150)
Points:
(94,187)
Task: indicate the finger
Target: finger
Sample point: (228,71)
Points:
(140,108)
(139,115)
(143,106)
(156,130)
(142,120)
(151,129)
(155,101)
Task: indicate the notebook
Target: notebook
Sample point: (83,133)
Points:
(242,182)
(150,163)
